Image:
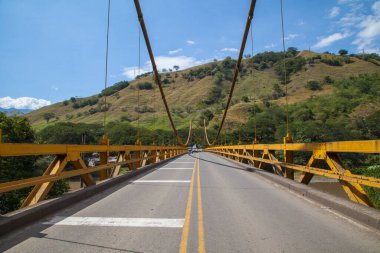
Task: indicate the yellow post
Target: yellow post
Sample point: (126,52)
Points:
(288,157)
(138,155)
(103,174)
(255,154)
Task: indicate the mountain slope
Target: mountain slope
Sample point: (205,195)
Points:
(188,92)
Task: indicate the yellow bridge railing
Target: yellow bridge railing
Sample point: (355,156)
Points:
(260,154)
(133,156)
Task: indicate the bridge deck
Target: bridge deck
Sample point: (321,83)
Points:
(241,213)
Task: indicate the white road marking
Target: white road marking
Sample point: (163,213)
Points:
(175,168)
(115,222)
(161,181)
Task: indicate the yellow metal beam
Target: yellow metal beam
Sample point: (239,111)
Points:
(367,146)
(26,149)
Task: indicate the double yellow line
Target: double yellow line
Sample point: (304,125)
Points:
(186,226)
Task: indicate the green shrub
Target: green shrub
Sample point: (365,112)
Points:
(313,85)
(332,62)
(145,86)
(114,88)
(144,109)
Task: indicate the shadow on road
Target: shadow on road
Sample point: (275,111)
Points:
(242,167)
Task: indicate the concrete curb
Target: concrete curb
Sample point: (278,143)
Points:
(20,218)
(365,215)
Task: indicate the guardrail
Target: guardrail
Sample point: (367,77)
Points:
(260,154)
(134,156)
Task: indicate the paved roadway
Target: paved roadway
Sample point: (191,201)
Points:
(167,210)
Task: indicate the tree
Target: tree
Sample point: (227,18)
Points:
(343,52)
(245,99)
(176,67)
(292,50)
(18,130)
(313,85)
(48,116)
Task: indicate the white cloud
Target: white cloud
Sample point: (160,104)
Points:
(326,41)
(163,62)
(231,49)
(132,72)
(291,36)
(334,12)
(271,45)
(23,103)
(369,30)
(176,51)
(190,42)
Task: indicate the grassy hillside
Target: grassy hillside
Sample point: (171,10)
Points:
(199,91)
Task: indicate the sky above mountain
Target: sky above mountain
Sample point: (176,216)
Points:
(53,50)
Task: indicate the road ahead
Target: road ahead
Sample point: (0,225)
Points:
(198,205)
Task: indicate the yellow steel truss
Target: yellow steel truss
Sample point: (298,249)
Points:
(134,156)
(327,152)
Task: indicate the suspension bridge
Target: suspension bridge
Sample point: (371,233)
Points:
(227,198)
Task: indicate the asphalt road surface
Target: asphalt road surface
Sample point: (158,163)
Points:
(195,205)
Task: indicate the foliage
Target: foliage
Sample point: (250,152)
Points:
(332,62)
(70,133)
(245,99)
(114,88)
(216,91)
(277,91)
(144,75)
(313,85)
(145,86)
(292,65)
(328,80)
(144,109)
(343,52)
(48,116)
(85,102)
(18,130)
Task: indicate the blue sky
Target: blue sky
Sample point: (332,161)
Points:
(53,50)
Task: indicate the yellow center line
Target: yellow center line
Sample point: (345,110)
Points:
(201,239)
(186,225)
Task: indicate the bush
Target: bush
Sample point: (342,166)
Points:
(328,80)
(80,103)
(144,109)
(114,88)
(65,102)
(124,118)
(245,99)
(277,91)
(332,62)
(313,85)
(292,65)
(145,86)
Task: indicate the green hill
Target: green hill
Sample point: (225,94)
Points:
(200,91)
